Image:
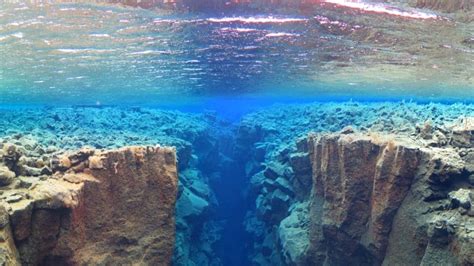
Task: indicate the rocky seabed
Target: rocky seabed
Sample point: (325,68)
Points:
(325,184)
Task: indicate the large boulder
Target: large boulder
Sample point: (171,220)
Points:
(6,176)
(293,233)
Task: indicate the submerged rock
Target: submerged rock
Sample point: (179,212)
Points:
(191,206)
(462,197)
(293,233)
(463,133)
(6,176)
(365,220)
(122,213)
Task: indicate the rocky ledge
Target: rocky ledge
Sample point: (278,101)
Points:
(90,207)
(380,199)
(391,200)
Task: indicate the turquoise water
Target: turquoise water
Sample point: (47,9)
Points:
(221,85)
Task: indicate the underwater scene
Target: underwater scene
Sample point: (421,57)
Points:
(237,132)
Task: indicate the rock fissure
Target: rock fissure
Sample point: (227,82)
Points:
(248,194)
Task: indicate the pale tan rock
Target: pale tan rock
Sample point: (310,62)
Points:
(95,162)
(65,162)
(6,176)
(8,252)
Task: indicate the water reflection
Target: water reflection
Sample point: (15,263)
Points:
(54,53)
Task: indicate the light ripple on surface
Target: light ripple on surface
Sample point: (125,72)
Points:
(382,8)
(256,20)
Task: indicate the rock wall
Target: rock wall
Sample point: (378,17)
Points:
(359,183)
(334,198)
(382,200)
(379,171)
(201,141)
(97,207)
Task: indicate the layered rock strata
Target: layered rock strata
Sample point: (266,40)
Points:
(95,207)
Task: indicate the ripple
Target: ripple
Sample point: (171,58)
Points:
(227,29)
(18,35)
(256,20)
(281,34)
(84,50)
(384,9)
(100,35)
(151,52)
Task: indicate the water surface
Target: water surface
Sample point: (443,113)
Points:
(87,54)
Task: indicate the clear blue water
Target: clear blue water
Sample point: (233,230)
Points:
(91,55)
(83,54)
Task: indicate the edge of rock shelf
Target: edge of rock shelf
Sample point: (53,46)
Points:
(89,207)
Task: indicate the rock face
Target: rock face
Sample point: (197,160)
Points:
(111,208)
(388,201)
(361,184)
(336,198)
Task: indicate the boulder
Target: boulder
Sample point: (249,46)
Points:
(190,206)
(293,233)
(462,197)
(274,170)
(6,176)
(463,133)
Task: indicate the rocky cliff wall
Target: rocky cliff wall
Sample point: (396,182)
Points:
(390,200)
(201,140)
(354,197)
(94,207)
(360,184)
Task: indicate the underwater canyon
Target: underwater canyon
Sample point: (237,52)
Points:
(334,185)
(253,132)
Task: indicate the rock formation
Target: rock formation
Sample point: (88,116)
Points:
(356,196)
(98,207)
(360,184)
(41,135)
(394,188)
(382,200)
